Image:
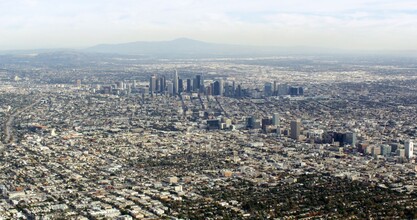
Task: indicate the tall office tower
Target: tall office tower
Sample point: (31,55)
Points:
(202,87)
(135,84)
(209,89)
(265,123)
(195,84)
(119,85)
(295,129)
(199,84)
(180,86)
(175,83)
(152,84)
(238,93)
(274,91)
(221,87)
(350,138)
(162,84)
(300,91)
(170,88)
(275,119)
(408,145)
(157,86)
(226,89)
(233,89)
(125,84)
(129,89)
(283,89)
(251,122)
(268,89)
(276,122)
(386,150)
(294,91)
(189,85)
(216,88)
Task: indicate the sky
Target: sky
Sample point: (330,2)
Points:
(339,24)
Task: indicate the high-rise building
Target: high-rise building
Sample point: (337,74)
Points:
(268,89)
(119,85)
(233,89)
(217,88)
(199,84)
(180,86)
(295,129)
(294,91)
(238,93)
(152,84)
(282,89)
(409,147)
(221,91)
(350,138)
(209,89)
(265,123)
(251,122)
(189,85)
(170,88)
(226,89)
(175,83)
(301,91)
(275,119)
(162,84)
(275,92)
(386,150)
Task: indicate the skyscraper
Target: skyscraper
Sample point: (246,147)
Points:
(251,122)
(295,129)
(274,92)
(180,86)
(170,88)
(199,83)
(275,119)
(152,84)
(275,122)
(226,89)
(221,84)
(189,85)
(350,138)
(162,84)
(282,89)
(265,123)
(409,147)
(238,93)
(294,91)
(233,89)
(217,88)
(175,83)
(268,89)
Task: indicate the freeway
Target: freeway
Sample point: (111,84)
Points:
(8,134)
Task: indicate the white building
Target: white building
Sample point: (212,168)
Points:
(408,145)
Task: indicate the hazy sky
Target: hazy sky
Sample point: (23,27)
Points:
(348,24)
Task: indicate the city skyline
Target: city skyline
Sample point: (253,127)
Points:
(353,25)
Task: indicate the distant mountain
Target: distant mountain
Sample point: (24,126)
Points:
(179,47)
(184,47)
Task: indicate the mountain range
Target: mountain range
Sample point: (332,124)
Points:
(189,48)
(184,47)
